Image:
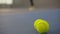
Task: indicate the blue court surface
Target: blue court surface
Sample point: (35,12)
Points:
(22,23)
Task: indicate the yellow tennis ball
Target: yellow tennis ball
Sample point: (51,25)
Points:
(41,25)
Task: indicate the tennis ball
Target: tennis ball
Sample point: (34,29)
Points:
(41,25)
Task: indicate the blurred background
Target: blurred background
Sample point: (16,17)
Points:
(26,3)
(16,16)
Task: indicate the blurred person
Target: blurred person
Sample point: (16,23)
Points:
(31,5)
(31,2)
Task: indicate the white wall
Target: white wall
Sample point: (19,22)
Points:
(6,1)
